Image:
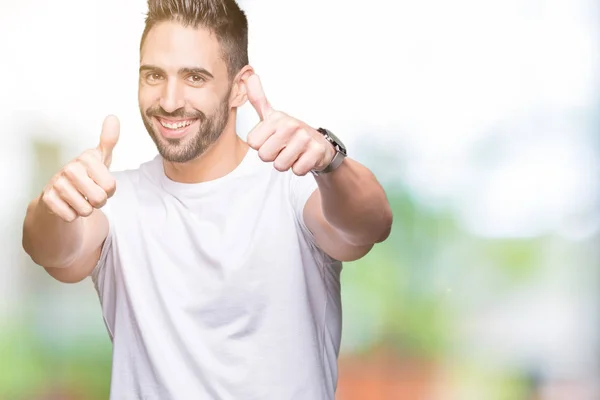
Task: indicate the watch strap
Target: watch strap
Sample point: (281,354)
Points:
(338,157)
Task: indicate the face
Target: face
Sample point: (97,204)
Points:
(184,90)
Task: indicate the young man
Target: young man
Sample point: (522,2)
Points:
(218,262)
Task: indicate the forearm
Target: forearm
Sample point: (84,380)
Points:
(50,241)
(355,203)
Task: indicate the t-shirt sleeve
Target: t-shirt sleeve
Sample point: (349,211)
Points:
(108,211)
(106,247)
(103,279)
(301,187)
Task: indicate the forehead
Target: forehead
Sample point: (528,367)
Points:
(170,45)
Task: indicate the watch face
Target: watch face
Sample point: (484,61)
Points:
(336,141)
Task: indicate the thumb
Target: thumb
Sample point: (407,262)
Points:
(109,138)
(257,97)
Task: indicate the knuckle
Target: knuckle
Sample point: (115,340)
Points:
(299,170)
(304,138)
(86,211)
(70,216)
(71,170)
(302,166)
(264,155)
(252,141)
(97,200)
(110,187)
(280,166)
(316,148)
(49,199)
(293,124)
(60,185)
(47,193)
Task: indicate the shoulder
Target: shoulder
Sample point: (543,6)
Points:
(148,171)
(130,182)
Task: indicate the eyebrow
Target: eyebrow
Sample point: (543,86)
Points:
(182,71)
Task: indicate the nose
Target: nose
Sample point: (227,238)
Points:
(172,97)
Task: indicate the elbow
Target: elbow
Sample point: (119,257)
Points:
(386,233)
(387,220)
(26,244)
(27,234)
(377,232)
(27,247)
(37,253)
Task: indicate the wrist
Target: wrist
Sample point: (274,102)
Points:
(336,153)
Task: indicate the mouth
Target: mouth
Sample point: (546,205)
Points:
(174,129)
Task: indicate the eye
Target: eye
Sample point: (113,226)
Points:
(196,78)
(153,77)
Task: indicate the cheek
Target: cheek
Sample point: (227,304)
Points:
(147,96)
(208,106)
(209,98)
(199,97)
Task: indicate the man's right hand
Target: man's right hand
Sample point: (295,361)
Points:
(86,182)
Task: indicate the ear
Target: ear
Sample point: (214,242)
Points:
(239,91)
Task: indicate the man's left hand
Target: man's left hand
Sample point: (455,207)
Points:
(284,140)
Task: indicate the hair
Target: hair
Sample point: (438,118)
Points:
(223,18)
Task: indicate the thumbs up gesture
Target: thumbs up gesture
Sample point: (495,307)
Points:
(286,141)
(85,183)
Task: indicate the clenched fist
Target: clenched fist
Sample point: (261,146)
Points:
(85,183)
(284,140)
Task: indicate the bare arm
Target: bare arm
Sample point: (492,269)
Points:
(349,212)
(353,202)
(68,251)
(64,230)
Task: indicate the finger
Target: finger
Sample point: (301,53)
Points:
(77,175)
(257,97)
(59,207)
(291,153)
(286,135)
(260,133)
(72,197)
(271,148)
(98,172)
(263,130)
(306,162)
(109,138)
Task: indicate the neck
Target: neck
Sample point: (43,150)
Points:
(221,158)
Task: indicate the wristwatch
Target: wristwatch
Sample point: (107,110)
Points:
(340,152)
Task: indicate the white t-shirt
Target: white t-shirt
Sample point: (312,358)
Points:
(216,290)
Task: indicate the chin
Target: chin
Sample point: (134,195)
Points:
(176,155)
(180,152)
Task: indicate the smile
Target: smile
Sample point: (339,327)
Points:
(175,124)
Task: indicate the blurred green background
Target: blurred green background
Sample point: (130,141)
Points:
(480,119)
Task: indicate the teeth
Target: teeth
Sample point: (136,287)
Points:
(177,125)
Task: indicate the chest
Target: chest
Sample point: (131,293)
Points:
(212,257)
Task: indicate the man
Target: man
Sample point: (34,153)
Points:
(218,262)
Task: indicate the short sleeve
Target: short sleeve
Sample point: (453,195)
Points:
(108,242)
(301,187)
(106,247)
(110,210)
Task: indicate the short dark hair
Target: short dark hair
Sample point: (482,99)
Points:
(223,18)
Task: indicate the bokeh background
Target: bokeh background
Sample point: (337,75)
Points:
(480,117)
